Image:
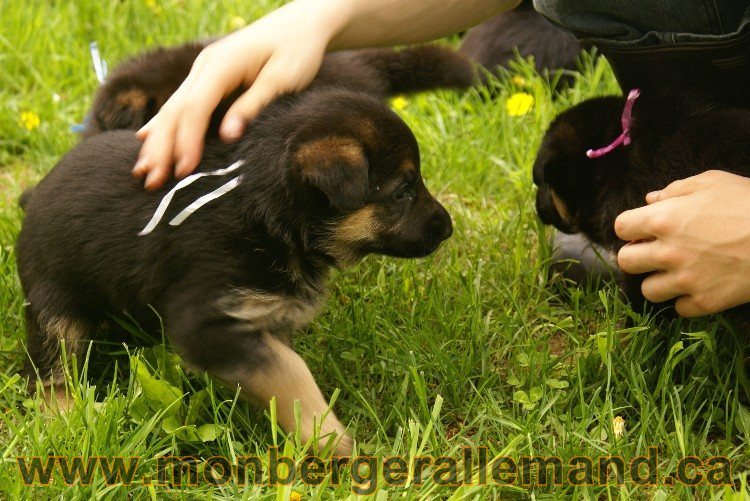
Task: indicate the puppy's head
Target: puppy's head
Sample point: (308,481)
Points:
(570,185)
(358,163)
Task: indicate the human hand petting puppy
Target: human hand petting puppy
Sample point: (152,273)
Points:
(695,236)
(255,55)
(281,53)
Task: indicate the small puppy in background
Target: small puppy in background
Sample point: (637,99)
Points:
(138,88)
(521,31)
(319,180)
(672,135)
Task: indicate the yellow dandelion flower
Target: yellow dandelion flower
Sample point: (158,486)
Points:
(519,104)
(618,425)
(519,81)
(154,6)
(236,22)
(29,120)
(295,496)
(399,102)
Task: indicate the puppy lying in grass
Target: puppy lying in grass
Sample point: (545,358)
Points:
(319,180)
(583,185)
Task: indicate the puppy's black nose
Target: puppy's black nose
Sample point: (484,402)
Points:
(440,224)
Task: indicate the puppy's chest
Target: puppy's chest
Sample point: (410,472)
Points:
(271,311)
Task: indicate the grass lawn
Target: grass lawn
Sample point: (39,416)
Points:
(470,348)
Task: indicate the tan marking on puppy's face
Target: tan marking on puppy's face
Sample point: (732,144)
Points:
(407,165)
(354,230)
(328,152)
(132,98)
(562,210)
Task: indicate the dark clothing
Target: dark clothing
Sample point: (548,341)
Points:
(648,22)
(691,44)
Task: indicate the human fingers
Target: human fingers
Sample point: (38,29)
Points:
(641,257)
(280,74)
(155,157)
(686,186)
(662,286)
(175,136)
(651,221)
(690,307)
(248,105)
(630,226)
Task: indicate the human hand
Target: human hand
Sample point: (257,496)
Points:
(282,53)
(255,57)
(695,236)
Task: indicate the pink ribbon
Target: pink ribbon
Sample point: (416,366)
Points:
(624,138)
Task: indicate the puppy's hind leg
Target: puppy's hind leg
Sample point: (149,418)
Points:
(45,335)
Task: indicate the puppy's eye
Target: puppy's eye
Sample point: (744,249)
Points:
(402,192)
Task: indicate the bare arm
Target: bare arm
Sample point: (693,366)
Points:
(394,22)
(281,53)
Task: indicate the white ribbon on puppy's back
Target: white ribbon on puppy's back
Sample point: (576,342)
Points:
(164,204)
(200,202)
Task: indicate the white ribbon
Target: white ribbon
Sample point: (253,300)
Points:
(100,65)
(200,202)
(197,204)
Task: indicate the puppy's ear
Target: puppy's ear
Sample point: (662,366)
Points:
(337,166)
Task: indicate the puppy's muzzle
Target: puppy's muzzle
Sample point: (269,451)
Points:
(440,226)
(548,213)
(437,228)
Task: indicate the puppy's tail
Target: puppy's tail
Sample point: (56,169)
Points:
(387,72)
(421,67)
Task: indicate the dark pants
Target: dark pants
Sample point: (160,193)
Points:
(701,45)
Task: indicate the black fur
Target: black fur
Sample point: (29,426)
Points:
(523,31)
(674,135)
(154,76)
(330,175)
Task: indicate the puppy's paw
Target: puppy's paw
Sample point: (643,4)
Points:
(56,400)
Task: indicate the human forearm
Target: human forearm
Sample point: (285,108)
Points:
(366,23)
(351,24)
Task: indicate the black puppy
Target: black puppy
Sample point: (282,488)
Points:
(522,31)
(672,135)
(320,180)
(138,88)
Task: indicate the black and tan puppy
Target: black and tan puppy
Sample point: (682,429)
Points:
(673,135)
(328,176)
(135,91)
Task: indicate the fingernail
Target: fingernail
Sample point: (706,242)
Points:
(150,180)
(180,168)
(653,196)
(232,127)
(139,166)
